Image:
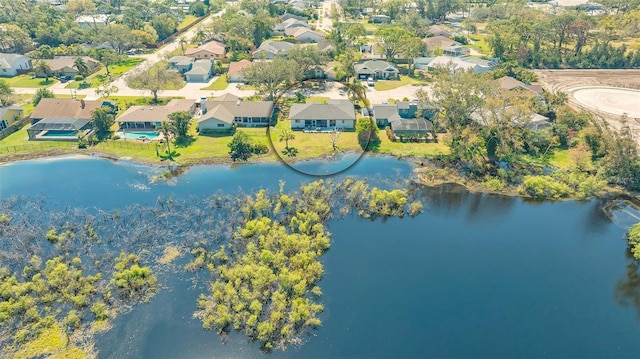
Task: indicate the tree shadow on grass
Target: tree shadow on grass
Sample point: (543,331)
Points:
(290,152)
(169,157)
(184,141)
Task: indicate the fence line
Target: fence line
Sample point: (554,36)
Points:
(43,146)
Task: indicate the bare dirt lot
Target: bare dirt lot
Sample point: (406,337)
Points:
(590,90)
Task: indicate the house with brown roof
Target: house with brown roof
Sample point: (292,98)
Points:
(448,46)
(63,119)
(210,50)
(510,84)
(64,65)
(148,117)
(221,113)
(234,73)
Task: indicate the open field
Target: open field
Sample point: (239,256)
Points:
(598,99)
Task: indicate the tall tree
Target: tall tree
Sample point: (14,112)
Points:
(6,94)
(286,136)
(102,119)
(43,68)
(167,130)
(307,57)
(154,79)
(81,66)
(106,57)
(392,40)
(272,77)
(41,93)
(181,120)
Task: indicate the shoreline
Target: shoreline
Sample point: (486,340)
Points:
(422,165)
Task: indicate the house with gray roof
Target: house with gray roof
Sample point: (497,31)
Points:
(270,49)
(149,117)
(458,63)
(201,71)
(376,69)
(12,64)
(448,46)
(221,113)
(181,63)
(336,114)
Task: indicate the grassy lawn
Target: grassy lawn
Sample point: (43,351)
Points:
(100,77)
(480,43)
(561,159)
(311,145)
(125,102)
(413,149)
(28,82)
(219,84)
(368,27)
(318,99)
(386,85)
(188,19)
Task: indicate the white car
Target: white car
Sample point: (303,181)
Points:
(370,82)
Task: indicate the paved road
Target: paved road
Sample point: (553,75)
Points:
(193,90)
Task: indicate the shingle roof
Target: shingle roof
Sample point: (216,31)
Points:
(7,60)
(509,83)
(64,108)
(440,41)
(200,67)
(384,111)
(334,110)
(228,97)
(237,66)
(155,113)
(181,60)
(275,47)
(60,62)
(214,47)
(374,65)
(226,111)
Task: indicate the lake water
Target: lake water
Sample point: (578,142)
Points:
(473,276)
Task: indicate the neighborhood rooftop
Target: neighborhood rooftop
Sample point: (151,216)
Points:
(64,108)
(155,113)
(334,110)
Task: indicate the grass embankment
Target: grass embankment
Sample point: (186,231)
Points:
(311,145)
(386,85)
(188,19)
(25,81)
(397,148)
(480,43)
(219,84)
(100,77)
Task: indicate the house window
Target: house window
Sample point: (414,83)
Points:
(297,121)
(332,122)
(221,125)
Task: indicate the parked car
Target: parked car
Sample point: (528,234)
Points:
(64,78)
(370,82)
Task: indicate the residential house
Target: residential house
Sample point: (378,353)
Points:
(63,119)
(533,121)
(439,30)
(376,69)
(462,63)
(221,113)
(209,50)
(181,64)
(379,19)
(448,46)
(384,114)
(12,64)
(510,84)
(302,34)
(326,46)
(290,24)
(64,65)
(286,16)
(336,114)
(149,117)
(201,71)
(270,49)
(234,73)
(9,115)
(95,21)
(298,5)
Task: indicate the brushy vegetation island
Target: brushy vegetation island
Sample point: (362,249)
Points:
(66,274)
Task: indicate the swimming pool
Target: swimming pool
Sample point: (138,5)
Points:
(51,133)
(140,135)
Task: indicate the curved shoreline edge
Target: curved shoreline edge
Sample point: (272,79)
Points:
(421,165)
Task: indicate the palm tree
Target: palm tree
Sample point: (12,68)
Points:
(44,68)
(167,129)
(81,66)
(356,91)
(286,136)
(182,43)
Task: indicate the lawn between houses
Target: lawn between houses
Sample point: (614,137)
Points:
(99,77)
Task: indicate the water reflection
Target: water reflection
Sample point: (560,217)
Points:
(627,290)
